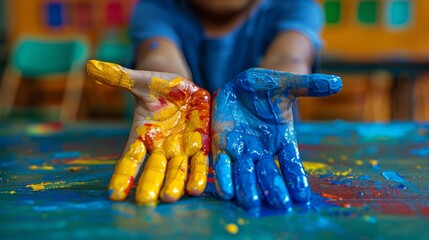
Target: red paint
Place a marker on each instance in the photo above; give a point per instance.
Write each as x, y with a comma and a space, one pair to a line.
424, 210
210, 179
130, 185
176, 94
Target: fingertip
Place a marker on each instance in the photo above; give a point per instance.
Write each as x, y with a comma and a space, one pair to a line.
146, 196
321, 85
119, 187
197, 184
300, 191
223, 176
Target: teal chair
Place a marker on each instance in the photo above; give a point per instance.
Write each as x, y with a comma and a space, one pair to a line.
43, 58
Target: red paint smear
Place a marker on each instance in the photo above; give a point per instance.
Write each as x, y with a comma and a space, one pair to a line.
176, 94
162, 103
424, 210
210, 180
396, 208
130, 185
210, 170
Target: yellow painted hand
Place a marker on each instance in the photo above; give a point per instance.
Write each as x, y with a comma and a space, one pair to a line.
171, 123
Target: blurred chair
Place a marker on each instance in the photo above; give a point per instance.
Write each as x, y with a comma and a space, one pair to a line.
115, 50
47, 58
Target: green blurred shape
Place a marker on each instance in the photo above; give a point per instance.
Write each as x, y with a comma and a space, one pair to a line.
332, 11
367, 11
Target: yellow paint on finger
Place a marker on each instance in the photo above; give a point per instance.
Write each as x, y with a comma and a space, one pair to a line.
152, 179
109, 73
126, 170
198, 176
177, 171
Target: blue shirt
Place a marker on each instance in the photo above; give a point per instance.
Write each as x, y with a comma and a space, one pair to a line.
213, 61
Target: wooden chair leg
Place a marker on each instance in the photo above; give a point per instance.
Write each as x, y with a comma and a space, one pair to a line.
72, 95
8, 90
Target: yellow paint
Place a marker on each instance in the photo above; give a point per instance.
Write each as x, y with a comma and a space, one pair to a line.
331, 160
172, 134
343, 173
82, 161
12, 192
241, 221
152, 179
315, 167
199, 171
126, 170
373, 162
49, 185
177, 171
419, 167
231, 228
44, 167
109, 73
359, 162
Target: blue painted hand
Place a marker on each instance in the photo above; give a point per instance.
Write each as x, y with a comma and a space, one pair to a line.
252, 126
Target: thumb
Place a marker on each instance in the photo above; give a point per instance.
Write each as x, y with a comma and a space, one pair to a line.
117, 76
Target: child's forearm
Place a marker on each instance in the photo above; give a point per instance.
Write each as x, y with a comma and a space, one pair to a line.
161, 55
289, 52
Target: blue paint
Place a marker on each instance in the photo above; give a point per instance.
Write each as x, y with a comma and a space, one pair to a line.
394, 176
73, 154
421, 152
377, 185
223, 176
252, 123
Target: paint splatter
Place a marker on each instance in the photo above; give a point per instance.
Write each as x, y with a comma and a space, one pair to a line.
55, 185
394, 176
231, 228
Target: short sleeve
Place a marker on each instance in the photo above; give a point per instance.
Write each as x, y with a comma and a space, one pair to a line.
154, 18
303, 16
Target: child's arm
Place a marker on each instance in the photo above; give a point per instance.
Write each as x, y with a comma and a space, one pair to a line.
161, 55
289, 52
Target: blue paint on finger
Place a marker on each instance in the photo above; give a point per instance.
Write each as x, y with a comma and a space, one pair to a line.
223, 176
272, 184
246, 189
294, 174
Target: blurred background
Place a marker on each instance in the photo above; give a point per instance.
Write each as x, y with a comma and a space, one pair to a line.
379, 47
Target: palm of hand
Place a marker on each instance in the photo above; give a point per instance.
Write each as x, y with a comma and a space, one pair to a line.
252, 126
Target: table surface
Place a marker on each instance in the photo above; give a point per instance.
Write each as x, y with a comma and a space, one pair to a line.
369, 181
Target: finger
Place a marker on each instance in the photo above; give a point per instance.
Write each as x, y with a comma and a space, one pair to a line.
151, 179
272, 184
175, 179
246, 188
198, 176
313, 85
294, 174
117, 76
223, 176
126, 170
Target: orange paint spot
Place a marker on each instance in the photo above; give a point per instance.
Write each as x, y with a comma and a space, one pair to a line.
331, 196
